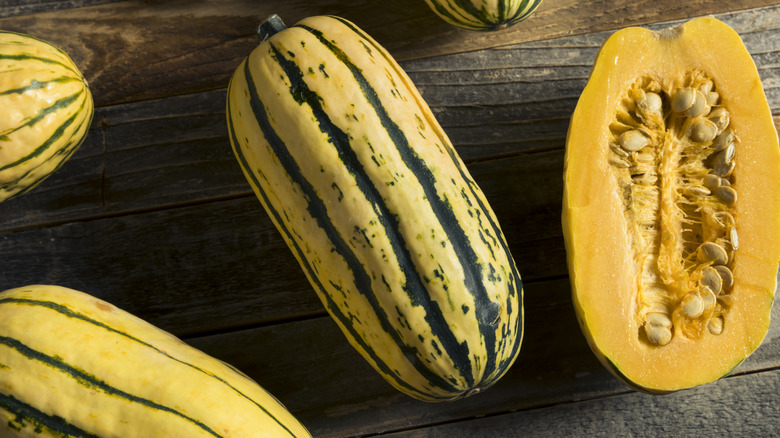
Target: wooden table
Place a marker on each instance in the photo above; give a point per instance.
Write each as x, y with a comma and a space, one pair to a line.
153, 214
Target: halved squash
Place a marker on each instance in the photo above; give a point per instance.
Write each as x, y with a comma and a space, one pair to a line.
671, 210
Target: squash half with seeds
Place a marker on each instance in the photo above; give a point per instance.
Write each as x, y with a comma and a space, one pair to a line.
47, 110
72, 365
394, 235
671, 209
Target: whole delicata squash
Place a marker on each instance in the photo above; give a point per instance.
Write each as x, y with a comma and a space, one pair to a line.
47, 111
370, 196
671, 210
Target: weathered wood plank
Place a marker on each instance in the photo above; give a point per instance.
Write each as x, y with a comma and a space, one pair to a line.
12, 8
741, 406
174, 151
134, 50
312, 369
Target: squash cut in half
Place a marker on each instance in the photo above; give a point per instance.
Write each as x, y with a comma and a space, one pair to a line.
671, 213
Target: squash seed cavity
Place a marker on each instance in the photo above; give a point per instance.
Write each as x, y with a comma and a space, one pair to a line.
673, 154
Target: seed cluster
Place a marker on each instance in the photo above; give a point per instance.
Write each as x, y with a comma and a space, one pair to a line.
673, 154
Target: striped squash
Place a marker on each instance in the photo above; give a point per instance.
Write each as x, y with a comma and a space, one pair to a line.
483, 15
47, 111
73, 365
373, 201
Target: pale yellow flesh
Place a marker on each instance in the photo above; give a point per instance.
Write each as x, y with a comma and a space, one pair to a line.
154, 366
595, 226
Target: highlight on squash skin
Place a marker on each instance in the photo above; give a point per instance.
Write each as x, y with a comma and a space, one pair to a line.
670, 215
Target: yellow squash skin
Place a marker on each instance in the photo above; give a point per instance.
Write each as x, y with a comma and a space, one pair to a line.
74, 365
602, 272
370, 196
47, 111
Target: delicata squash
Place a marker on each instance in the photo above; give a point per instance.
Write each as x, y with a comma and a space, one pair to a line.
367, 191
671, 209
72, 365
47, 109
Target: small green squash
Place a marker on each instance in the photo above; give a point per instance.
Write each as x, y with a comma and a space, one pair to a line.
370, 196
483, 15
74, 365
47, 111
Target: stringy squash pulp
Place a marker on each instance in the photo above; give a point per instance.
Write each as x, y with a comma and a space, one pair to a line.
671, 210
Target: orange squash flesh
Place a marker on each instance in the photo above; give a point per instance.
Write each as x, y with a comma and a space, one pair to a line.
602, 257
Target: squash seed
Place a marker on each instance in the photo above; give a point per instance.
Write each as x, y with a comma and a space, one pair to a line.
711, 278
652, 103
726, 194
723, 140
726, 299
704, 131
712, 252
711, 181
658, 328
633, 140
723, 169
692, 305
726, 277
734, 238
618, 150
712, 98
720, 117
715, 325
708, 299
699, 107
619, 162
683, 99
697, 191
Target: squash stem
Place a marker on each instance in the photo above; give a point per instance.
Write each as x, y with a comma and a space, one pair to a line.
271, 26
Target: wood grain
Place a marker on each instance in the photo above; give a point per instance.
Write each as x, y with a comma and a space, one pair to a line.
716, 410
137, 50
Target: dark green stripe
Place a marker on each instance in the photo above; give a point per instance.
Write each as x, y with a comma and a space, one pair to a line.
515, 285
318, 210
72, 314
58, 105
25, 57
523, 13
414, 287
37, 85
29, 416
93, 383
